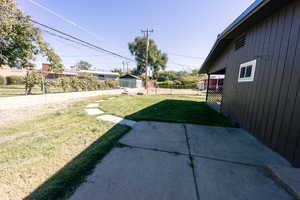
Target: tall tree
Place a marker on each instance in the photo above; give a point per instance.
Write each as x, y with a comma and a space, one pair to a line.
20, 40
156, 58
83, 65
117, 70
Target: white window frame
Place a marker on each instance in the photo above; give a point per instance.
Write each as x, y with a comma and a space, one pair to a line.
243, 65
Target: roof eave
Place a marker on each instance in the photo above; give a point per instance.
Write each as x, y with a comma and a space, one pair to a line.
250, 11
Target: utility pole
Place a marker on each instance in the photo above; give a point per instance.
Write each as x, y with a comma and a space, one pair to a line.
146, 34
123, 63
127, 64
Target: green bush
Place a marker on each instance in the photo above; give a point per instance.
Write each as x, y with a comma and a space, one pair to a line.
63, 83
82, 83
14, 80
101, 85
74, 83
2, 80
111, 84
31, 79
85, 83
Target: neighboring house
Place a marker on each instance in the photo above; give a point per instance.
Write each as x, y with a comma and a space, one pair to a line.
215, 83
131, 81
101, 74
70, 73
55, 75
259, 54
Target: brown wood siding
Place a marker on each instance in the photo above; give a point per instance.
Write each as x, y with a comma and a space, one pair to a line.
268, 107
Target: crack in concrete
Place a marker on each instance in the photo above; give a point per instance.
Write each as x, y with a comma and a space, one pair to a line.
122, 145
192, 162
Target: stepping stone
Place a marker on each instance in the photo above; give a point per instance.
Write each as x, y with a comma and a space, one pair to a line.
92, 105
99, 101
93, 111
118, 120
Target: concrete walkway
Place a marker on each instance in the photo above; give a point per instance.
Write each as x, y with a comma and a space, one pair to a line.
166, 161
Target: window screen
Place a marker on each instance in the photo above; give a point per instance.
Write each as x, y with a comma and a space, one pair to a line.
248, 71
242, 73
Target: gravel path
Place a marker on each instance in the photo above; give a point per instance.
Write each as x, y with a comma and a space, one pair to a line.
34, 100
17, 108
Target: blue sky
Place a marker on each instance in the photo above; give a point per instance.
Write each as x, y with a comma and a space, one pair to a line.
181, 27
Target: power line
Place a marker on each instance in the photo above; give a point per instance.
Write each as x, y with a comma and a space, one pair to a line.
82, 41
64, 38
183, 65
180, 55
75, 38
64, 18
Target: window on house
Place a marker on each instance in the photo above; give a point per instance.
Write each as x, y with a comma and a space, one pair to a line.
247, 71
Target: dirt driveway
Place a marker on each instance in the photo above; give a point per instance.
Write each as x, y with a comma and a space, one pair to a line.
25, 107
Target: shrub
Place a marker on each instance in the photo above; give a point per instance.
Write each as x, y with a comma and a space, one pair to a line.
111, 84
101, 85
14, 80
82, 83
92, 82
74, 83
2, 80
45, 83
63, 83
31, 79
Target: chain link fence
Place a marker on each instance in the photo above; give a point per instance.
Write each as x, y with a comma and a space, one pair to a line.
176, 89
214, 96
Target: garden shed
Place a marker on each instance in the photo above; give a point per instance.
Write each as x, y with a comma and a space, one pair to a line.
131, 81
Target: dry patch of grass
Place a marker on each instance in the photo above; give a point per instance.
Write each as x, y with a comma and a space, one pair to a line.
51, 142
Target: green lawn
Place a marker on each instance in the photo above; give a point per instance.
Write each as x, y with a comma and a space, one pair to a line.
168, 108
48, 156
63, 146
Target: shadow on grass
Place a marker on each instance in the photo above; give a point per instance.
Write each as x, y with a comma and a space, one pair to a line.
182, 111
62, 184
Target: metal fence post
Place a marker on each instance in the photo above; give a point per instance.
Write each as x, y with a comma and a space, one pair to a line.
208, 79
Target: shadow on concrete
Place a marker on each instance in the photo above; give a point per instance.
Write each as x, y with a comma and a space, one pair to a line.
62, 184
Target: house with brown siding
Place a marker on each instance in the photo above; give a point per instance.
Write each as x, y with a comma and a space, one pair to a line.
259, 54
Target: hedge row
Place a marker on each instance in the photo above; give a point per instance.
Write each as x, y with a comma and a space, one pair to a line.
2, 80
12, 80
83, 84
176, 84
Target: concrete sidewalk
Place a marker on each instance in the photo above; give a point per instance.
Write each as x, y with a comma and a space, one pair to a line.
181, 161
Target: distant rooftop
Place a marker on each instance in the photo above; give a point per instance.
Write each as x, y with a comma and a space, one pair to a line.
99, 72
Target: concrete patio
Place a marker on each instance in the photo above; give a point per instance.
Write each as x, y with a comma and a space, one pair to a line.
183, 161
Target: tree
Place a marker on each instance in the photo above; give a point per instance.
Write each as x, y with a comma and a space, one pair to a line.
20, 40
83, 65
119, 71
156, 58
